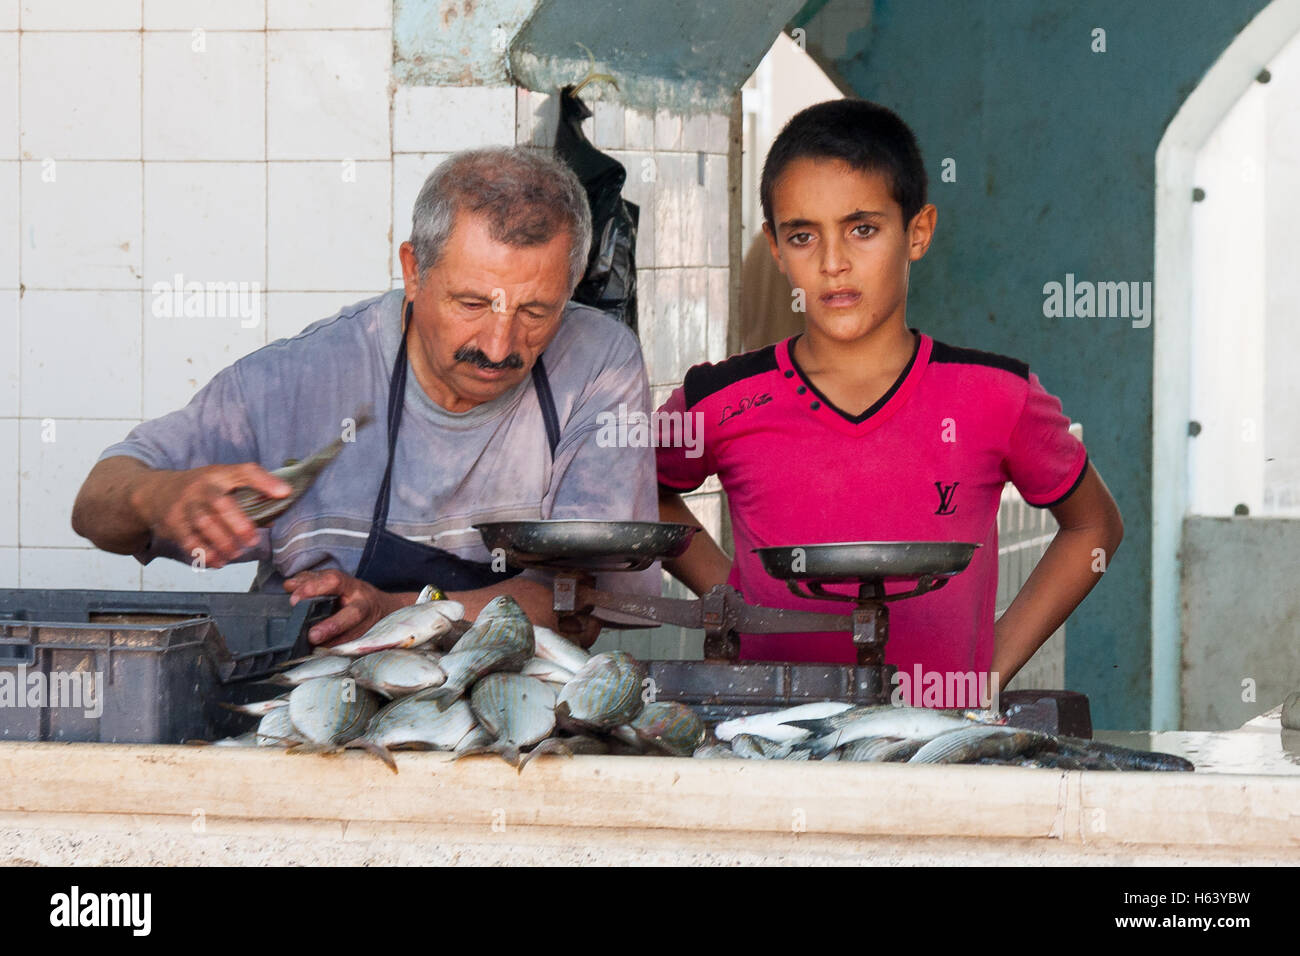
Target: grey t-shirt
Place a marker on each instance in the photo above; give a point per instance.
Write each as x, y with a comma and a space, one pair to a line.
451, 470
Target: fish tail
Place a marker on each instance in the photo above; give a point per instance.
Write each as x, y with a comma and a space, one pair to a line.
551, 745
370, 747
818, 726
820, 746
510, 753
475, 751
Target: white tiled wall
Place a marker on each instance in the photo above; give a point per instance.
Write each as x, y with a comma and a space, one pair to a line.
677, 174
257, 141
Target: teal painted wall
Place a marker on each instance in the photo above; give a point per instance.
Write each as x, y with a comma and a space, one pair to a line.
1055, 159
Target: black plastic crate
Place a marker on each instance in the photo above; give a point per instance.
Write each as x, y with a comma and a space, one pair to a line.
158, 663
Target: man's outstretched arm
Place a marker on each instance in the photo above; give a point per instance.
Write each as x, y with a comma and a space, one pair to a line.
124, 504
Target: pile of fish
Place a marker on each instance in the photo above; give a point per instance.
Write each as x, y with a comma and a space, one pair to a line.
831, 730
503, 686
421, 679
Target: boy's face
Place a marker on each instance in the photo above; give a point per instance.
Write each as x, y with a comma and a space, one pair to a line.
840, 237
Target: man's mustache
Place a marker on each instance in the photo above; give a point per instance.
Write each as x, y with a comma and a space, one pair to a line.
467, 353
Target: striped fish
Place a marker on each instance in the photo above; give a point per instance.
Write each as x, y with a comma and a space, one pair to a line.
299, 476
517, 711
276, 729
980, 740
331, 710
884, 721
606, 692
500, 640
396, 673
881, 749
411, 724
670, 727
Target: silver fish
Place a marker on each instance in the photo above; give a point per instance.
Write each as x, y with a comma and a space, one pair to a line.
884, 721
670, 727
774, 725
546, 670
396, 673
257, 708
604, 693
243, 740
411, 724
559, 650
517, 711
276, 729
759, 748
262, 510
880, 749
320, 665
979, 740
714, 751
331, 710
500, 640
408, 626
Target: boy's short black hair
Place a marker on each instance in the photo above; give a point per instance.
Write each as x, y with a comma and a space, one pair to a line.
867, 136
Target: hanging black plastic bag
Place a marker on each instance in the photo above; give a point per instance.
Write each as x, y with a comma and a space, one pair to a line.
609, 283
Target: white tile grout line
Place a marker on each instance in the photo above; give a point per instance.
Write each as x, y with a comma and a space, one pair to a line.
18, 319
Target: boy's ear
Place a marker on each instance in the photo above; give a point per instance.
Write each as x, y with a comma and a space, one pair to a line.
920, 231
771, 245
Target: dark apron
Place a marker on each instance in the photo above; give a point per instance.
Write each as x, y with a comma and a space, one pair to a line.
393, 563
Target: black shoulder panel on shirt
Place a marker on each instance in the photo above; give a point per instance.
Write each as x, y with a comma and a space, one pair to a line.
952, 355
703, 380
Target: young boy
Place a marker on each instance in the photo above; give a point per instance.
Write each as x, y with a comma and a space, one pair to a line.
861, 429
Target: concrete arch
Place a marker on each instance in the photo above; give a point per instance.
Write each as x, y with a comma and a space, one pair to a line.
1224, 83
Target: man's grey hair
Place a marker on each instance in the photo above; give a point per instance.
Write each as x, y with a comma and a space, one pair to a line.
526, 197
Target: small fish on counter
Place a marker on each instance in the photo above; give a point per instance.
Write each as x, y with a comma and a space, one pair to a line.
509, 688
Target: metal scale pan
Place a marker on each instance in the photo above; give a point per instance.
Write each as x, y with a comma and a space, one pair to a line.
587, 545
807, 569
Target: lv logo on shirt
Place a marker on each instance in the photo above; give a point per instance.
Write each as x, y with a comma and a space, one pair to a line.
946, 507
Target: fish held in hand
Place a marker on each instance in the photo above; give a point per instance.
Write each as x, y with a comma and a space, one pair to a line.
262, 509
407, 627
604, 693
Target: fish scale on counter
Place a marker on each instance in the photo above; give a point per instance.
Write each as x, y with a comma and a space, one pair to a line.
509, 688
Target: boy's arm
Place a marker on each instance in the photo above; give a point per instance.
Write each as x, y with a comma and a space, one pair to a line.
704, 565
1090, 531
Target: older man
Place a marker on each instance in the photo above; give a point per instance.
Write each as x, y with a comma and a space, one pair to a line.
474, 425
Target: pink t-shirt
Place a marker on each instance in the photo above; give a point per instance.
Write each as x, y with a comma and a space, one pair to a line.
927, 462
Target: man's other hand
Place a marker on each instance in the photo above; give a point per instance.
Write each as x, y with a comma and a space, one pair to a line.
360, 604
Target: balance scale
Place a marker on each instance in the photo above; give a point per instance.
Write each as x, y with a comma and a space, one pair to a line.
576, 550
